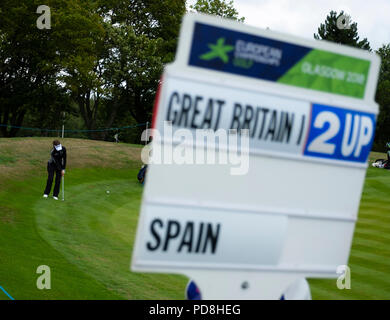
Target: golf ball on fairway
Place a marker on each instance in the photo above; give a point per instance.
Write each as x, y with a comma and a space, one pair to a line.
108, 191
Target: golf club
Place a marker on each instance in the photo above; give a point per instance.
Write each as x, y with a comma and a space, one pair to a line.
63, 188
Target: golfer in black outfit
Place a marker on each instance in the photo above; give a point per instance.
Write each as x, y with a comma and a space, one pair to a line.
56, 164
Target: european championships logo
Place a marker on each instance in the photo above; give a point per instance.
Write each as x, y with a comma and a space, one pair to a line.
218, 50
246, 53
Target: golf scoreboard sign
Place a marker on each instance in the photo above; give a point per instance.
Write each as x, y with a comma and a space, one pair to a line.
305, 116
225, 50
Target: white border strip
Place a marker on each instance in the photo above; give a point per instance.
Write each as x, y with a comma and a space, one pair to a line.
207, 205
174, 266
277, 155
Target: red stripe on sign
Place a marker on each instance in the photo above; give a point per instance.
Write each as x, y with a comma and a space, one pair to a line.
308, 128
156, 101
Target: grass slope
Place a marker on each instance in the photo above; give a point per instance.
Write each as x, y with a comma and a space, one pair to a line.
95, 231
87, 240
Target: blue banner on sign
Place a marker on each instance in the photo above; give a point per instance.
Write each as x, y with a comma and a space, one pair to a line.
243, 54
341, 134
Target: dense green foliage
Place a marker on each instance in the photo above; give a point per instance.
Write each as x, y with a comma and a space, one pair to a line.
220, 8
382, 134
100, 62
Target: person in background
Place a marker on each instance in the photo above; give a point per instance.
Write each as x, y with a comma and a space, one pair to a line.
56, 164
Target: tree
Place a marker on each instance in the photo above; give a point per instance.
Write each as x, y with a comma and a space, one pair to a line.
221, 8
142, 37
337, 30
382, 134
83, 37
36, 64
150, 18
131, 73
27, 64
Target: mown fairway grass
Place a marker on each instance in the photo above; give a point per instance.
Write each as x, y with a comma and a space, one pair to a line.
87, 240
370, 254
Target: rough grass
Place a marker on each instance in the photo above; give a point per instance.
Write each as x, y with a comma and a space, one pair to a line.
28, 153
28, 156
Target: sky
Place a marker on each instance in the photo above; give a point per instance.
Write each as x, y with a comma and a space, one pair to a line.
303, 17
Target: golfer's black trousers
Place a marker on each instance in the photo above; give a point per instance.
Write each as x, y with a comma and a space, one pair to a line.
51, 170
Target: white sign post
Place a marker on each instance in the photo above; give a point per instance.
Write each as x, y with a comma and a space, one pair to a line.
247, 230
